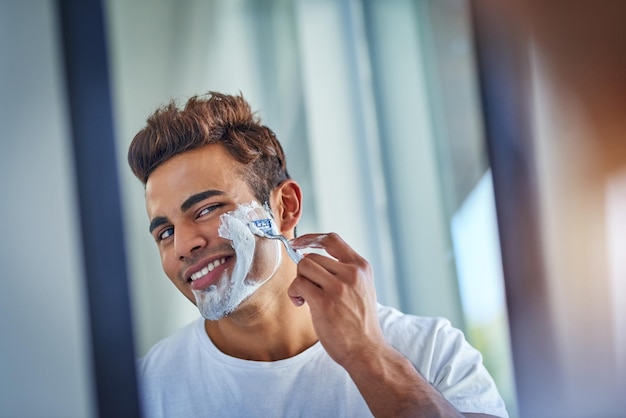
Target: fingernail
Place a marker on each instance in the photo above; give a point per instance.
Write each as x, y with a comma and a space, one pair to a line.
297, 300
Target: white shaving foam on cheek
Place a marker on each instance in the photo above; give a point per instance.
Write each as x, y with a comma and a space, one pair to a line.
223, 298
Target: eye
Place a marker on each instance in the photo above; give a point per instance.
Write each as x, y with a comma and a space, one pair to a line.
207, 210
166, 233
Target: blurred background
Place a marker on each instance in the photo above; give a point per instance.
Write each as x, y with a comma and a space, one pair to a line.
473, 152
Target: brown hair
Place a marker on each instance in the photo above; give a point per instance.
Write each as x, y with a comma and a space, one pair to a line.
214, 118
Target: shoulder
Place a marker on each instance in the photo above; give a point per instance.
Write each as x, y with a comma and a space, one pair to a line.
444, 358
431, 343
399, 327
171, 370
167, 352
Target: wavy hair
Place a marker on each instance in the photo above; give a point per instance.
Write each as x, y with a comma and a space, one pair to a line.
213, 118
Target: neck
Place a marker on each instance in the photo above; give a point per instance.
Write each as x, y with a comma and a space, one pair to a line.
266, 327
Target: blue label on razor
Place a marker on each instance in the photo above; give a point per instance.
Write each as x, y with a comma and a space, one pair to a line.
263, 223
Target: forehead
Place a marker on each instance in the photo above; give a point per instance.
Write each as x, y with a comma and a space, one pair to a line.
210, 167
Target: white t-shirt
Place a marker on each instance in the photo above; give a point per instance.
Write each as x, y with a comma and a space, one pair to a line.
185, 375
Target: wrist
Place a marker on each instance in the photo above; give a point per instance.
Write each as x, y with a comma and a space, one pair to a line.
370, 360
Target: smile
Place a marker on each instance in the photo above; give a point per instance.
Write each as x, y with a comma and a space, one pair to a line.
209, 268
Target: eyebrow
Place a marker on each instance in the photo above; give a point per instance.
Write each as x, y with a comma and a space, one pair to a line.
156, 222
199, 197
186, 205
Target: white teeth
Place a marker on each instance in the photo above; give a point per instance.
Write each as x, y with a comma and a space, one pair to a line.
207, 269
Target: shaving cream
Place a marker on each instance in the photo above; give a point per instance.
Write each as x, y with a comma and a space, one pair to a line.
256, 261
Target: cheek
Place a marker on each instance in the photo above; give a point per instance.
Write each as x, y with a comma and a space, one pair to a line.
266, 258
170, 266
186, 291
166, 260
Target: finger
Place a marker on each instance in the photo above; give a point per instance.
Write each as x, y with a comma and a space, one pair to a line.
308, 241
326, 272
297, 300
302, 289
329, 273
332, 243
295, 297
318, 269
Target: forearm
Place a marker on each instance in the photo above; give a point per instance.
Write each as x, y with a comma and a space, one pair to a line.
393, 388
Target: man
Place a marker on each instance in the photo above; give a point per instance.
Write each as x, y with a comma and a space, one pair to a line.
277, 338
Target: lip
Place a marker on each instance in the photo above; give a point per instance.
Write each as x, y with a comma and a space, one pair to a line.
212, 277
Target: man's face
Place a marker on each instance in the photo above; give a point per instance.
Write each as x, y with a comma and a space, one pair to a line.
198, 205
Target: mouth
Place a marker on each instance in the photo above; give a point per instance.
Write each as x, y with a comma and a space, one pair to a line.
208, 274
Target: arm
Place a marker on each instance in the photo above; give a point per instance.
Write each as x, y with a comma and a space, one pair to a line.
392, 387
342, 300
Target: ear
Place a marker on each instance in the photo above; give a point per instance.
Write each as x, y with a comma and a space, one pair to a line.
287, 206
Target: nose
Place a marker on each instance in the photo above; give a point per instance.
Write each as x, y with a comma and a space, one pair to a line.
187, 240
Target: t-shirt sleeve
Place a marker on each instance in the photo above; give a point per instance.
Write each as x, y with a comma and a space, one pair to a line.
457, 371
446, 360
